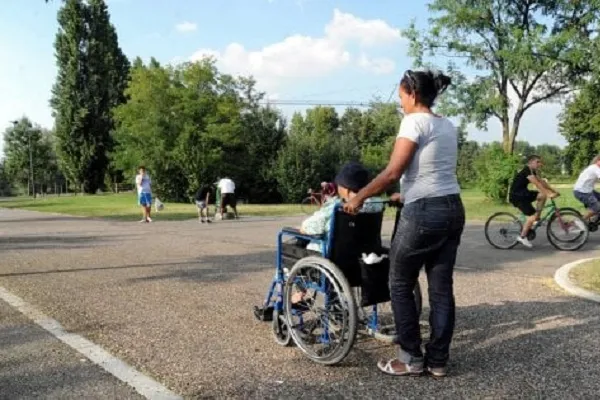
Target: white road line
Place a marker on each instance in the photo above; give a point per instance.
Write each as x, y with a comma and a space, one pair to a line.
143, 384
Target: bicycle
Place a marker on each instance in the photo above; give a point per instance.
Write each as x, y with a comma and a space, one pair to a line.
576, 231
313, 202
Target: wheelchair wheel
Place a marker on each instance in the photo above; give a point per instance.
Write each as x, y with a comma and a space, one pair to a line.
323, 323
281, 332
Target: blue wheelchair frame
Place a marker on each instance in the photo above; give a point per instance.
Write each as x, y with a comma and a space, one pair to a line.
326, 242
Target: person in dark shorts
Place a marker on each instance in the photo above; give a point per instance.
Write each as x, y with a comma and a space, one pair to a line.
202, 199
227, 188
522, 197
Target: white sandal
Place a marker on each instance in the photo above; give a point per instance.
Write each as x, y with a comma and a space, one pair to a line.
386, 368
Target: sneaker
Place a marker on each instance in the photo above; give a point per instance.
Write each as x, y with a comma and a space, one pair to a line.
149, 219
524, 241
143, 220
208, 221
438, 372
202, 221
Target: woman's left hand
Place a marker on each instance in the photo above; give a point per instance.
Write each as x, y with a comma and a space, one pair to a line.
353, 205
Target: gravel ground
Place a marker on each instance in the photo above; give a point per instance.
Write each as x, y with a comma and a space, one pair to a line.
34, 364
175, 300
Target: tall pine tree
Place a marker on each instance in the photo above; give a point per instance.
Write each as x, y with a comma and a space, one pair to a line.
92, 73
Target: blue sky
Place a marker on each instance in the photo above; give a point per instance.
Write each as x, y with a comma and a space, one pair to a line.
329, 50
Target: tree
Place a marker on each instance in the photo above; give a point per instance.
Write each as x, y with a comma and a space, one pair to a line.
263, 136
495, 171
468, 152
538, 50
28, 154
315, 149
580, 126
92, 72
5, 183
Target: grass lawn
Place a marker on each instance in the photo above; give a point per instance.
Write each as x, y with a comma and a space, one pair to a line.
587, 275
123, 206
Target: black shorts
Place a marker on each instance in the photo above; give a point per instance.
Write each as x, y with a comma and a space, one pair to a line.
523, 202
228, 199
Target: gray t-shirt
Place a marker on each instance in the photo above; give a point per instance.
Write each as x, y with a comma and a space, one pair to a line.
432, 171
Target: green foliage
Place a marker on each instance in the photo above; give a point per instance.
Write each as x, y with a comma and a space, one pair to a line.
320, 142
5, 183
538, 50
23, 143
191, 124
315, 149
92, 73
580, 126
495, 170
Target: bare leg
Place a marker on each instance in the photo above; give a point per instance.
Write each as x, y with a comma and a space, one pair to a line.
541, 201
528, 224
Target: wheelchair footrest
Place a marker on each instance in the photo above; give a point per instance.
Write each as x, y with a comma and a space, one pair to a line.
264, 314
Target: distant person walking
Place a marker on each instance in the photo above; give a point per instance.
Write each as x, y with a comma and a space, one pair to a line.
227, 189
144, 190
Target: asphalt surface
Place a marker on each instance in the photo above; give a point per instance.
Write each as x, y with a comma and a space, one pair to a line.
174, 299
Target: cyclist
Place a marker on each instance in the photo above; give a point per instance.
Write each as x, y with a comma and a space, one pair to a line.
584, 190
328, 190
521, 197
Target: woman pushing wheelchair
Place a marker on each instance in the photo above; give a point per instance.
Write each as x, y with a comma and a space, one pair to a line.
430, 227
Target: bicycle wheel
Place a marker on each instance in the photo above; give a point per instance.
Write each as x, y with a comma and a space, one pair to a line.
309, 205
567, 231
502, 230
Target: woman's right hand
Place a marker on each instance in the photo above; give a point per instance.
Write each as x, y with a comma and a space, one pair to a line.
396, 198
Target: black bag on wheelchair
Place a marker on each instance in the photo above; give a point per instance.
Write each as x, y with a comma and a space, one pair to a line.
356, 235
353, 235
375, 281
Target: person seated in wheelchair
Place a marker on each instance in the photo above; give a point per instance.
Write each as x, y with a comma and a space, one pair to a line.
351, 178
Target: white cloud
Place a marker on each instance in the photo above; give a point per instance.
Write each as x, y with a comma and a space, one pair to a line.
299, 56
378, 65
344, 27
186, 27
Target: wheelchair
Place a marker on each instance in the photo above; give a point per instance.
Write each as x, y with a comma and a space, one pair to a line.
337, 294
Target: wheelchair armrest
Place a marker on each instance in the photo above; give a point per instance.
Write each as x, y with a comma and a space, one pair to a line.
296, 232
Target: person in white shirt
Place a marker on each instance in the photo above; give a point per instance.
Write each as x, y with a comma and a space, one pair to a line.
144, 190
227, 188
584, 189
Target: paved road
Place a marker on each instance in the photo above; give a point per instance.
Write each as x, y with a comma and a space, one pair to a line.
174, 300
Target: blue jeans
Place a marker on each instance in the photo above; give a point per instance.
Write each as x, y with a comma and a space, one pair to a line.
590, 200
428, 234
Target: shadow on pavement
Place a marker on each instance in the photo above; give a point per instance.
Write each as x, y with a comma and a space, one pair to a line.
509, 350
37, 242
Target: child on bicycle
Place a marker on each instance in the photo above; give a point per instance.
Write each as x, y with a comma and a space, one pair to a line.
521, 197
584, 189
328, 190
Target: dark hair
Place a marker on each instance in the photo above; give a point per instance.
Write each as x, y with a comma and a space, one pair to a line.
532, 158
353, 176
426, 85
141, 167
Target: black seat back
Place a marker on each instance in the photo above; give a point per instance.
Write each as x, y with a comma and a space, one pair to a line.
352, 236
